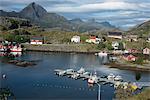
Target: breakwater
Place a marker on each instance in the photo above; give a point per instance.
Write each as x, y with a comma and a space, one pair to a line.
78, 48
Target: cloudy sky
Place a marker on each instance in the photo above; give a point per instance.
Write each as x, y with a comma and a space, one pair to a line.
122, 13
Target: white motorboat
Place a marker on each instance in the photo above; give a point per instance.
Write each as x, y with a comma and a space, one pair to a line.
118, 78
111, 77
90, 81
2, 49
102, 54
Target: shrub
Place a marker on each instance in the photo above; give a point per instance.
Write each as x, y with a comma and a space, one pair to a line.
139, 61
109, 46
101, 46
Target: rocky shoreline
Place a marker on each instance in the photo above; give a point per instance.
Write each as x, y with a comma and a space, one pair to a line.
81, 48
127, 67
70, 48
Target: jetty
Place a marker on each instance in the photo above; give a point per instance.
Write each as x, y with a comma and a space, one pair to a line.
94, 79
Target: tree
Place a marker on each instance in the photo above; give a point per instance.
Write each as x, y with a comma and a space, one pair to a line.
21, 39
101, 46
14, 24
83, 38
121, 46
139, 61
103, 39
109, 46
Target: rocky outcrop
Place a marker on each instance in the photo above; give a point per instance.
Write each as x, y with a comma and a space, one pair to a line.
14, 22
22, 63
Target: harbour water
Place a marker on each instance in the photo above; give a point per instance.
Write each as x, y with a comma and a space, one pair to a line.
40, 83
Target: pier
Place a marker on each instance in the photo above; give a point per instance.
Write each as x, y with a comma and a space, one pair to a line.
116, 81
82, 74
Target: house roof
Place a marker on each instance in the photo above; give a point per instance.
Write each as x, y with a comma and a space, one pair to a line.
133, 36
146, 48
127, 55
37, 38
92, 37
76, 36
114, 42
115, 33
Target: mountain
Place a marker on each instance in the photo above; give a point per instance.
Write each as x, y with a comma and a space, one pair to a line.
76, 21
39, 16
9, 14
33, 11
91, 25
107, 24
140, 29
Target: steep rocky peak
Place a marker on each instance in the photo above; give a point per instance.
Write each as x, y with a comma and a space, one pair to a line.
33, 10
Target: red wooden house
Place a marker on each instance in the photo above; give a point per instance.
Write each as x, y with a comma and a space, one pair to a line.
129, 57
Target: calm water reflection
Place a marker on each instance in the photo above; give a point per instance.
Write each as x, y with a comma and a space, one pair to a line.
40, 83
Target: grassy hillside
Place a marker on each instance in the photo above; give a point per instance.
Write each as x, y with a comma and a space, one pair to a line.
142, 29
145, 95
9, 23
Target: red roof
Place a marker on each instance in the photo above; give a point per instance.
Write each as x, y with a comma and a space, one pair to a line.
93, 37
130, 57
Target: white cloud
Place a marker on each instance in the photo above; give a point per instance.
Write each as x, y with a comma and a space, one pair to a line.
19, 1
121, 12
108, 5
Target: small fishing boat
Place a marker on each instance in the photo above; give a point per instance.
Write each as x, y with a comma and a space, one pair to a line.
118, 78
111, 77
3, 76
101, 54
90, 81
16, 49
3, 48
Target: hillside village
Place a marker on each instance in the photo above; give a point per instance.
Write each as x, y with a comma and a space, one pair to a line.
113, 42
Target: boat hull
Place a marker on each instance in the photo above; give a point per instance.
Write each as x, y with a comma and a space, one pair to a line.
16, 50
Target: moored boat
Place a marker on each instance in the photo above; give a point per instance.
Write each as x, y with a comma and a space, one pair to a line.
16, 49
3, 48
102, 54
118, 78
111, 77
90, 81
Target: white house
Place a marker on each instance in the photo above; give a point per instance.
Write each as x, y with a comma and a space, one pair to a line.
93, 39
75, 39
148, 40
36, 40
115, 45
146, 51
132, 38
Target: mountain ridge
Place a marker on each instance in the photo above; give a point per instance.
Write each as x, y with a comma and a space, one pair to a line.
141, 29
39, 16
